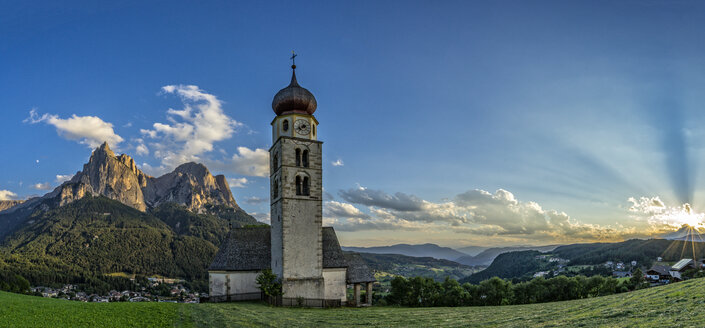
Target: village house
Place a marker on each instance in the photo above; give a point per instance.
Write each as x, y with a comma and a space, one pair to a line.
666, 274
680, 267
621, 274
659, 274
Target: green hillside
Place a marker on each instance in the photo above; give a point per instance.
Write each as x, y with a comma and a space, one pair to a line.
642, 251
678, 304
409, 266
95, 236
523, 264
509, 265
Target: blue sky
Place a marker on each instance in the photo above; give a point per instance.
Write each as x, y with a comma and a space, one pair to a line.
457, 122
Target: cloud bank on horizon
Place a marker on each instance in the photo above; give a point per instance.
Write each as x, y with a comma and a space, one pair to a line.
479, 214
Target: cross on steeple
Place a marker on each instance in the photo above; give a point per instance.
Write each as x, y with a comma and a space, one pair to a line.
293, 59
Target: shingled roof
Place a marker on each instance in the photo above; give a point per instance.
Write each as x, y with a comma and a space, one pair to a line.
250, 249
245, 249
358, 271
660, 269
332, 254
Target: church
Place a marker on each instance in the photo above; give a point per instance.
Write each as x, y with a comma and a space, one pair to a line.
297, 248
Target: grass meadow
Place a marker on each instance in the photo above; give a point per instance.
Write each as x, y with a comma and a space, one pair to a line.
676, 305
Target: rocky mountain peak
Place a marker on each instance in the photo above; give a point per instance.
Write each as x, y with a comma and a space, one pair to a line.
119, 178
196, 169
102, 152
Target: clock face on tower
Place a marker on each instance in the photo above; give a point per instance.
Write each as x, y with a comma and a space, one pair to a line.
302, 127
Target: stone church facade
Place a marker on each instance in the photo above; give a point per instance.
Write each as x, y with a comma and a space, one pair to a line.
305, 255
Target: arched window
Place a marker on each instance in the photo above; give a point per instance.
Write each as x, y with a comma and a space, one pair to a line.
275, 189
298, 157
313, 128
275, 161
298, 185
285, 125
305, 188
304, 158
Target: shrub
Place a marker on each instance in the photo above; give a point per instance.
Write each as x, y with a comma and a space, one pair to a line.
269, 283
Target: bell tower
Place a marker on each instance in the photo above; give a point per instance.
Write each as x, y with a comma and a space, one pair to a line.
296, 193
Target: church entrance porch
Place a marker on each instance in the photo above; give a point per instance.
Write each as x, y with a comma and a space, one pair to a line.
357, 296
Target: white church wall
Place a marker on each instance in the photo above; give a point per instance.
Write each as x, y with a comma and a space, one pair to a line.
243, 282
224, 283
335, 286
311, 288
216, 283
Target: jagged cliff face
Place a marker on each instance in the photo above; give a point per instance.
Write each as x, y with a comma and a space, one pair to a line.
6, 204
118, 178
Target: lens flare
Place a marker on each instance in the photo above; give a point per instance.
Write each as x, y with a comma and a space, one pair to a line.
659, 213
684, 215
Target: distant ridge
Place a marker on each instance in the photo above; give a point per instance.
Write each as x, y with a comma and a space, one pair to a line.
686, 232
422, 250
487, 256
471, 250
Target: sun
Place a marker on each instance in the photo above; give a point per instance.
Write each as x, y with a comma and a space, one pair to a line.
684, 216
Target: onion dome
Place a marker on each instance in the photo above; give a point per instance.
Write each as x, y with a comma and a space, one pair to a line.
294, 98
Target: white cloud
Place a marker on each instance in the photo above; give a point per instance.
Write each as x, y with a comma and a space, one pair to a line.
141, 148
249, 162
370, 197
149, 133
347, 217
41, 186
237, 183
262, 217
475, 212
7, 195
193, 130
338, 162
154, 170
88, 130
335, 209
61, 178
255, 200
656, 212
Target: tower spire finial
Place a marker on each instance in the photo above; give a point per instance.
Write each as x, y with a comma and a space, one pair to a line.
293, 59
